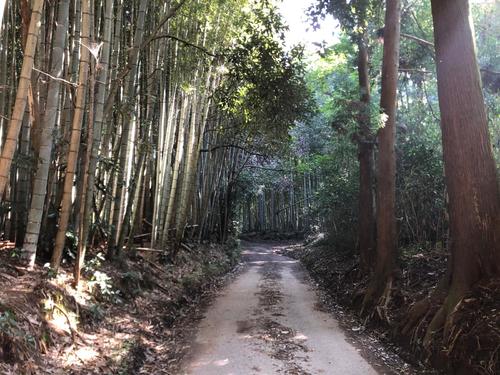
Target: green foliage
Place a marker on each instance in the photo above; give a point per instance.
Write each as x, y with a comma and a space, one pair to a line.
50, 272
324, 144
420, 178
493, 106
264, 91
192, 281
487, 26
99, 282
102, 284
420, 185
71, 244
416, 21
16, 253
337, 193
96, 312
94, 263
354, 16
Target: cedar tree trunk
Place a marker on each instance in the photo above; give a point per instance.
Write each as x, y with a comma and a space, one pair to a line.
386, 161
470, 173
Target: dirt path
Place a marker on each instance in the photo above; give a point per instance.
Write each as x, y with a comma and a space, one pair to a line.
266, 322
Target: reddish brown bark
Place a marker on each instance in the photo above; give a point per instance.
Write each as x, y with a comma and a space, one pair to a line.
471, 178
386, 160
366, 214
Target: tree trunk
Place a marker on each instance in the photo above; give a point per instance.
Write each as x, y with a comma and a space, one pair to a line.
82, 213
46, 137
129, 102
2, 9
366, 215
166, 178
199, 118
76, 128
470, 172
103, 64
179, 154
22, 185
10, 144
386, 161
133, 199
190, 170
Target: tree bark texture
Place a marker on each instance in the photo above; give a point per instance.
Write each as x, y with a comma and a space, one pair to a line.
386, 159
46, 137
76, 128
470, 172
366, 216
15, 122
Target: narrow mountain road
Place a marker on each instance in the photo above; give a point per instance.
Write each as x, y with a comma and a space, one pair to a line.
266, 322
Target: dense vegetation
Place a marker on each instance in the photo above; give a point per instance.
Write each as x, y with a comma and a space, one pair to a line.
330, 183
147, 125
137, 127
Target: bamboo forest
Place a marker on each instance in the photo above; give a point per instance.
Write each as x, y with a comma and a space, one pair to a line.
245, 187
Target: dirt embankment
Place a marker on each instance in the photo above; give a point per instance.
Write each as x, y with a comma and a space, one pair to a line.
133, 317
474, 346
